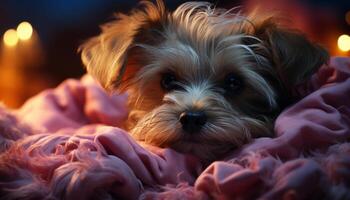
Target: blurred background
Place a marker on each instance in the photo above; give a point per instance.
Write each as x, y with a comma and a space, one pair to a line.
39, 38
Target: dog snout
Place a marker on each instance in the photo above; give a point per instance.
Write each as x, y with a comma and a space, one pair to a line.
193, 121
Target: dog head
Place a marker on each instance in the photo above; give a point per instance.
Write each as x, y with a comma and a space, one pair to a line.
200, 79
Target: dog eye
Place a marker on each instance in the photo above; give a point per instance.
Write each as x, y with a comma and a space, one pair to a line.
169, 82
232, 84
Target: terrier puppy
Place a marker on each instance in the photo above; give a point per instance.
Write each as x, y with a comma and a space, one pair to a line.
200, 79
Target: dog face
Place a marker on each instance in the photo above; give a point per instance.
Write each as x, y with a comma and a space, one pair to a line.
199, 79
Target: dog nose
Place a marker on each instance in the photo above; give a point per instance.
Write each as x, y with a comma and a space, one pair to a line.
192, 121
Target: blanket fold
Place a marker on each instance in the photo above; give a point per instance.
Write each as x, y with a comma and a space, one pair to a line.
69, 143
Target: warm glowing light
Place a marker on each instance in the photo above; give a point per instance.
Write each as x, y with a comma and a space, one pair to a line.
344, 42
24, 31
10, 37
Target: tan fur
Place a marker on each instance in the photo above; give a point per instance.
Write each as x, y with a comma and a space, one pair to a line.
201, 45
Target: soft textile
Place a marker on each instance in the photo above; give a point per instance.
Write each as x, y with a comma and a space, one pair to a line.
68, 143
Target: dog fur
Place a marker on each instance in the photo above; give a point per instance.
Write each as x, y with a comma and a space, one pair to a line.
199, 46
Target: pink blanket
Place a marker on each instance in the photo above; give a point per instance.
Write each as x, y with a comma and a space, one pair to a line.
65, 144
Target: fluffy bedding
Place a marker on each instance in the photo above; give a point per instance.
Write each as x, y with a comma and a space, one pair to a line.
68, 143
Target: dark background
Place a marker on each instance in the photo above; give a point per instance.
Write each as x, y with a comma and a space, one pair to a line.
62, 25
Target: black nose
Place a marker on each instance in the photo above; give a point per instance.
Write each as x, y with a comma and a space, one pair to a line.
192, 121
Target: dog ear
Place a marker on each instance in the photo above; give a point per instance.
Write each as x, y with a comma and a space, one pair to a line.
110, 55
294, 57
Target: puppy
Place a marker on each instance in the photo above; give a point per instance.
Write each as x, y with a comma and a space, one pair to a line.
201, 80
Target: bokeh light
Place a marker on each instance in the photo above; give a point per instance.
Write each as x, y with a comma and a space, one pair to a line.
24, 31
344, 42
57, 28
10, 37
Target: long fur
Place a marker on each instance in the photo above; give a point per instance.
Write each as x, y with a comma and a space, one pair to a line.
201, 44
